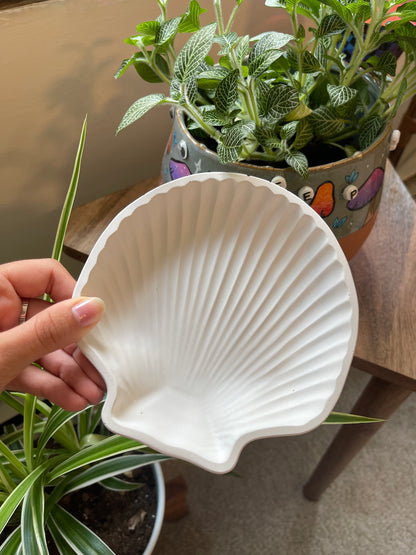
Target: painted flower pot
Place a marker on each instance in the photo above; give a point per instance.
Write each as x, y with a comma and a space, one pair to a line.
345, 193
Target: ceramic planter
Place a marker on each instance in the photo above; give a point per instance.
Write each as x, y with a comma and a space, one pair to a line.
346, 193
161, 499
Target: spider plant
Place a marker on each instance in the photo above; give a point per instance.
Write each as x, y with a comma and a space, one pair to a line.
55, 452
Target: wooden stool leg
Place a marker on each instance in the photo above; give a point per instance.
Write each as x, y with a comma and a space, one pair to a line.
380, 399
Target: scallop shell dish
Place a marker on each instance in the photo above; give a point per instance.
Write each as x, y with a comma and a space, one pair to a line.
231, 315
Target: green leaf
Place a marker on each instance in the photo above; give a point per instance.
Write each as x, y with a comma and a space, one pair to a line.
326, 122
267, 137
387, 63
190, 20
227, 92
280, 101
63, 547
33, 525
191, 91
192, 55
79, 537
227, 154
287, 131
242, 49
310, 64
123, 67
146, 72
263, 62
339, 8
227, 42
139, 108
301, 111
330, 25
111, 446
58, 418
304, 134
15, 463
13, 501
110, 468
400, 95
271, 40
117, 484
12, 543
342, 418
369, 131
340, 94
209, 79
299, 162
148, 28
70, 197
213, 117
167, 31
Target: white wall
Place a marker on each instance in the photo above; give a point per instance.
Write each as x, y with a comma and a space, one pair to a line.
56, 65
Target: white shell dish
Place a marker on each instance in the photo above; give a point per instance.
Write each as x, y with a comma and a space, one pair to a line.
231, 315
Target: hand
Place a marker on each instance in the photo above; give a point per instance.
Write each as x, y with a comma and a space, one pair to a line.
48, 336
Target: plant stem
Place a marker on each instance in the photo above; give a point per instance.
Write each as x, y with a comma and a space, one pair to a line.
195, 115
231, 18
219, 17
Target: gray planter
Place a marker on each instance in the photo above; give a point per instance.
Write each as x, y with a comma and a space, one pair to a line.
346, 193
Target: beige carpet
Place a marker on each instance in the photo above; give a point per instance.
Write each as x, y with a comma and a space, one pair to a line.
370, 509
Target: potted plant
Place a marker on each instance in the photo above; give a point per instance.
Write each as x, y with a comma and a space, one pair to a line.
309, 109
53, 454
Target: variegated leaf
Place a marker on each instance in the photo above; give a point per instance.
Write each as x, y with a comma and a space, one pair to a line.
369, 132
299, 162
326, 122
242, 49
330, 25
281, 100
340, 94
304, 134
227, 92
139, 108
193, 53
262, 62
226, 154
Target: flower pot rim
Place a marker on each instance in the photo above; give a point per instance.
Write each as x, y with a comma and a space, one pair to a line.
313, 169
160, 511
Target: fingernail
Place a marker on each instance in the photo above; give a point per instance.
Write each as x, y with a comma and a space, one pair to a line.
88, 311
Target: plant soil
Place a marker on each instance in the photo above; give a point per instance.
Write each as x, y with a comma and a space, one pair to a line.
123, 520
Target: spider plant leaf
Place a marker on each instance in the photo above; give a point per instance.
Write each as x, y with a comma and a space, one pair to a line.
16, 496
80, 538
108, 447
63, 547
32, 521
343, 418
110, 468
13, 543
70, 196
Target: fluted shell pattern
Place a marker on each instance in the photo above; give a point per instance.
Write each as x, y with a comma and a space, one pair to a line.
231, 315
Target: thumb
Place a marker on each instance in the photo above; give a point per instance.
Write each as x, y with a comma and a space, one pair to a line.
51, 329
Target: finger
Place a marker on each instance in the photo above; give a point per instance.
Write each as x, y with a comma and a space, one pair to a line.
30, 278
87, 367
65, 367
38, 382
52, 329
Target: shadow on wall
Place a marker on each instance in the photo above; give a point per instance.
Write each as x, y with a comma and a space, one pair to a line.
71, 51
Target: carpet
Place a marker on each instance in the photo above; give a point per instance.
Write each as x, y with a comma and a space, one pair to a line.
368, 510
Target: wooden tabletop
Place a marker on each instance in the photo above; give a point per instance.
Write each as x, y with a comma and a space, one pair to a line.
384, 272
